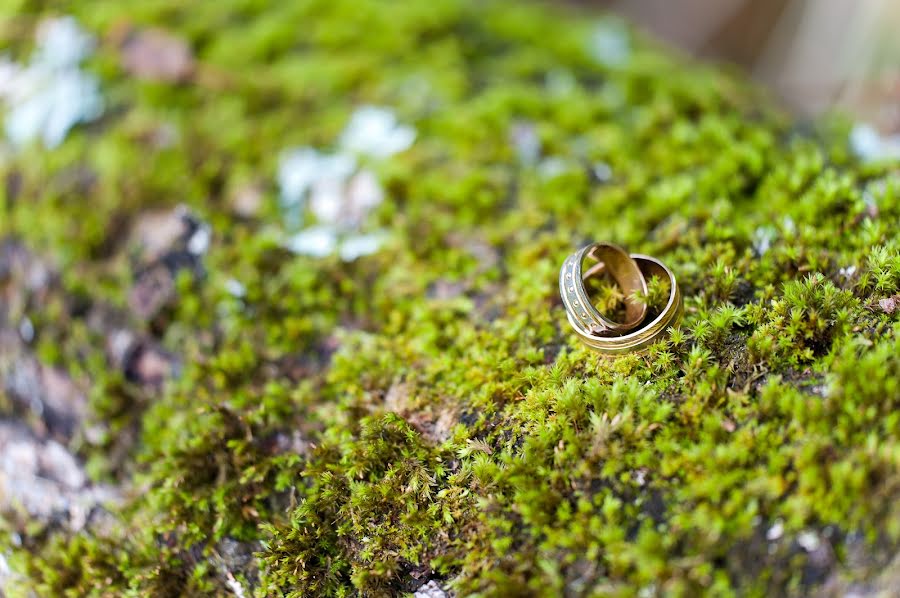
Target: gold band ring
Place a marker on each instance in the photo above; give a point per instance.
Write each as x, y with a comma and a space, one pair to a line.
646, 334
627, 275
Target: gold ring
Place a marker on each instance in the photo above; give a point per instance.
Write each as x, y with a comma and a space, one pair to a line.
648, 333
624, 271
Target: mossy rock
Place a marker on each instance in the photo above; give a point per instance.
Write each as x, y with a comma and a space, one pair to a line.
425, 413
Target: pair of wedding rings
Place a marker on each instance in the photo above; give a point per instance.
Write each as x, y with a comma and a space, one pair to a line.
641, 327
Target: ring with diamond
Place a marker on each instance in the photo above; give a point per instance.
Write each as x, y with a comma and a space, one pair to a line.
614, 260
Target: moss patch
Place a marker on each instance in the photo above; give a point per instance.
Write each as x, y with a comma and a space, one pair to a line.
424, 412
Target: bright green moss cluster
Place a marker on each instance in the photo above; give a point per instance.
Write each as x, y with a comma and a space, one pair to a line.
425, 413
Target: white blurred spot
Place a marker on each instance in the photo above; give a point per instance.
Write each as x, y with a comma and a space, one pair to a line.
363, 194
235, 288
526, 142
50, 95
762, 239
640, 477
869, 145
26, 329
808, 541
234, 585
357, 246
648, 591
552, 167
432, 589
338, 194
301, 169
609, 43
9, 77
315, 241
198, 244
789, 226
375, 132
776, 531
62, 43
559, 82
602, 171
327, 199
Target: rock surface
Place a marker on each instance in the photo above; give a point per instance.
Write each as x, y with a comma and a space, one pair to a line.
294, 300
44, 482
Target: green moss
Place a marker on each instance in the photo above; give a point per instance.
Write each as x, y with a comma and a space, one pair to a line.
358, 431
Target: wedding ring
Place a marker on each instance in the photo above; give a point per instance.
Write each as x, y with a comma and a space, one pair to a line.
649, 332
614, 260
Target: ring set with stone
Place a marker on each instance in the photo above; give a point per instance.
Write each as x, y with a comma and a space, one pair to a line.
630, 272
